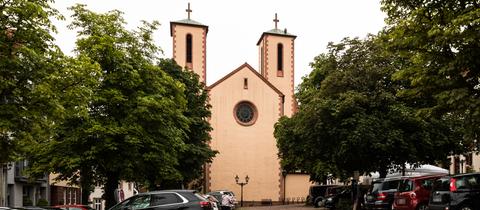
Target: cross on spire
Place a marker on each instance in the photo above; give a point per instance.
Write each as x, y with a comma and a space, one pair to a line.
189, 10
276, 20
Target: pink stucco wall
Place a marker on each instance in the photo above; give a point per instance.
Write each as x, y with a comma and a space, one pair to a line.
245, 150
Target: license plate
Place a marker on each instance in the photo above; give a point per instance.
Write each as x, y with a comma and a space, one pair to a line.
401, 201
370, 197
437, 199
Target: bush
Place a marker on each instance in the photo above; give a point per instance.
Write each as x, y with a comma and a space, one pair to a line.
27, 201
42, 202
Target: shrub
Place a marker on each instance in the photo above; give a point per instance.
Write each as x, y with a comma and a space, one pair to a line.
42, 202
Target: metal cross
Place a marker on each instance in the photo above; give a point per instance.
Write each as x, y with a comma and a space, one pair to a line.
276, 20
189, 10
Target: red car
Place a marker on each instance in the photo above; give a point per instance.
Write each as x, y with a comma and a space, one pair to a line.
414, 192
74, 207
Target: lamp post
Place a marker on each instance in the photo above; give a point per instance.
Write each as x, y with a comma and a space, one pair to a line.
241, 187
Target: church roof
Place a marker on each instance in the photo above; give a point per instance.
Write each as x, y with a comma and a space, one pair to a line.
188, 22
277, 32
251, 69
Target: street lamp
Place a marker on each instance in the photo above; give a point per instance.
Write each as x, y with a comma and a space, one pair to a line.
241, 187
284, 176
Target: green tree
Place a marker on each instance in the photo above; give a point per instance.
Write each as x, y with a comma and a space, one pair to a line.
442, 43
131, 125
27, 58
137, 122
196, 152
350, 118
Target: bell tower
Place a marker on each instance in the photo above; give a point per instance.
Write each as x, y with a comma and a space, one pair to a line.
190, 45
276, 59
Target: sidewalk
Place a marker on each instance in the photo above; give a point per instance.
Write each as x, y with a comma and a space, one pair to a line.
280, 207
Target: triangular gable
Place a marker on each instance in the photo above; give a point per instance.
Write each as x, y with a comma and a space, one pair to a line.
251, 69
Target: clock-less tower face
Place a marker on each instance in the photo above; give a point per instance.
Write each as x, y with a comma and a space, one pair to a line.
189, 45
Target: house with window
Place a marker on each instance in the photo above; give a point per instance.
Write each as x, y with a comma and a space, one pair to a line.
23, 191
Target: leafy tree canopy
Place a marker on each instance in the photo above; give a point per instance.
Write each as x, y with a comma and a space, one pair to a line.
441, 41
131, 124
28, 57
196, 152
350, 117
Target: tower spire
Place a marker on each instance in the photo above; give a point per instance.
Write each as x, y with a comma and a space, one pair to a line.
188, 10
276, 20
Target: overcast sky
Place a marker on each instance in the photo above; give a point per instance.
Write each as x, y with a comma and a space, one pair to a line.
236, 25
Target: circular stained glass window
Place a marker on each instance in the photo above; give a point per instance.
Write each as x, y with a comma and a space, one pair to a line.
245, 113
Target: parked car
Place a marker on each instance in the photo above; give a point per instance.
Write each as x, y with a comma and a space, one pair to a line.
381, 193
414, 192
218, 195
458, 192
216, 204
74, 207
346, 196
338, 193
165, 199
317, 194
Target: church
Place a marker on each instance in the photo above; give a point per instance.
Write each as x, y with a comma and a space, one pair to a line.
246, 104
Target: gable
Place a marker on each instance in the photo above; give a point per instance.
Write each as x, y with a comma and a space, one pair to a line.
245, 70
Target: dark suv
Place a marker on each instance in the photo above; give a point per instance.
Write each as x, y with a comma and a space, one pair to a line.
317, 194
381, 193
166, 199
458, 192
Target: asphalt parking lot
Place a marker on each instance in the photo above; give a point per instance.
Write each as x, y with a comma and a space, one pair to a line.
281, 207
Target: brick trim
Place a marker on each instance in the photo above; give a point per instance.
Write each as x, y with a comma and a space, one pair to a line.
204, 57
174, 30
292, 80
266, 57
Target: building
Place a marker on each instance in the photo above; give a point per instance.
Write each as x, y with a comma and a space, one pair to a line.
465, 163
246, 103
63, 193
21, 190
125, 190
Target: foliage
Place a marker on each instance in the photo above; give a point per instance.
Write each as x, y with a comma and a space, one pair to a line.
196, 152
350, 117
27, 55
128, 123
42, 202
441, 41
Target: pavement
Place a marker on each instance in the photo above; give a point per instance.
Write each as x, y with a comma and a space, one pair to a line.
281, 207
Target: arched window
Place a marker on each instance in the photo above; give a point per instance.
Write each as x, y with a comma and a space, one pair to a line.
280, 57
189, 48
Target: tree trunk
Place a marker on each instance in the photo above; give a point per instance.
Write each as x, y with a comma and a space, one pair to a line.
86, 183
383, 172
110, 186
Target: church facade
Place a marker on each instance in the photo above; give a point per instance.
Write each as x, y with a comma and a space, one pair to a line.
246, 104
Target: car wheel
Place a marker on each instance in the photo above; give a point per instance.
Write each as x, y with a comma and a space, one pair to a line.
466, 208
319, 202
422, 207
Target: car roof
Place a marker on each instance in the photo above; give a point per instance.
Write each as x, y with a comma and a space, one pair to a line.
425, 176
467, 174
163, 191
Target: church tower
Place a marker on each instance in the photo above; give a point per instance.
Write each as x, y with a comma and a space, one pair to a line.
276, 59
190, 45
